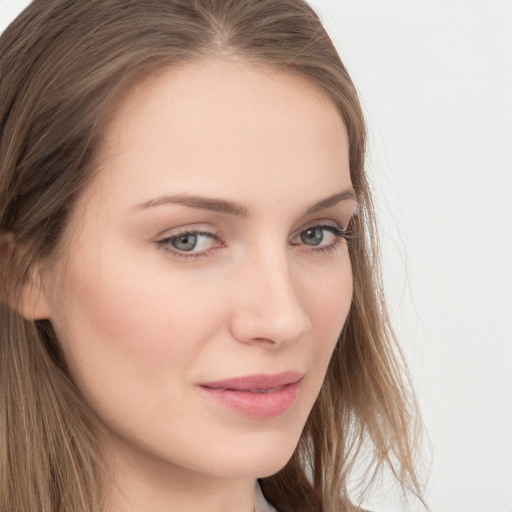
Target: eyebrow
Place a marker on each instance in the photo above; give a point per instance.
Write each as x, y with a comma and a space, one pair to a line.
193, 201
332, 200
233, 207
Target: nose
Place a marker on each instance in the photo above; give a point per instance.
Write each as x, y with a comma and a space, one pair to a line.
269, 304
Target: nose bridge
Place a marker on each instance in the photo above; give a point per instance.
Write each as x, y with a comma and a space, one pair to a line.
269, 305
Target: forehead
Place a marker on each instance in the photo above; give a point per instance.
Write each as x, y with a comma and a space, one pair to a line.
224, 119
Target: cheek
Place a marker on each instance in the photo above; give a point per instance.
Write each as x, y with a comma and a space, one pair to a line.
124, 330
329, 306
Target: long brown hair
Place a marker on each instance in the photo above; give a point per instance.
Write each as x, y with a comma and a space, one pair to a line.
63, 66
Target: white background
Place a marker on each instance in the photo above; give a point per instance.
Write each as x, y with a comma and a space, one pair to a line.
435, 79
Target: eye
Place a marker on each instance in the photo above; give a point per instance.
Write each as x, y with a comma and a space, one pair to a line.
190, 243
322, 237
313, 236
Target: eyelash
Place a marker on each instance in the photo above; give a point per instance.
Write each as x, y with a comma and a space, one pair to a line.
341, 235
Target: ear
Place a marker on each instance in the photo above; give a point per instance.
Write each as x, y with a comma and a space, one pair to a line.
22, 289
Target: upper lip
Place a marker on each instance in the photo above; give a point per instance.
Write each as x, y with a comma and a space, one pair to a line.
262, 381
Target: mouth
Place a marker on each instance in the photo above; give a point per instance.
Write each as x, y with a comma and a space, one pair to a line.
259, 396
271, 390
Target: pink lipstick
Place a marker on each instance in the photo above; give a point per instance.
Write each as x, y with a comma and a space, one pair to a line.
260, 396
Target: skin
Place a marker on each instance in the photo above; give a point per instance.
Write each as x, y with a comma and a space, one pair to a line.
141, 326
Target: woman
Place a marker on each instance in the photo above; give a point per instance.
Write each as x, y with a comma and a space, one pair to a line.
191, 309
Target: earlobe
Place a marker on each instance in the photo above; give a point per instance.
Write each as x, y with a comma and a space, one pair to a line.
21, 290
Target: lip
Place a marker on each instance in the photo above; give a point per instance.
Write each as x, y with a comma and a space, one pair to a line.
259, 396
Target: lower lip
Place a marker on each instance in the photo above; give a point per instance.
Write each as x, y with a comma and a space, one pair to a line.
259, 405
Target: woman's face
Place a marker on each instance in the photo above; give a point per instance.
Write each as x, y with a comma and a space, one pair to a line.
208, 248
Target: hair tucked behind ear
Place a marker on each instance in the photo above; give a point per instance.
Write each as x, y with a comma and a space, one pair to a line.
63, 66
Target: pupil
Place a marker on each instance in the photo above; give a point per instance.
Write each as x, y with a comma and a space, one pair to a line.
185, 243
313, 236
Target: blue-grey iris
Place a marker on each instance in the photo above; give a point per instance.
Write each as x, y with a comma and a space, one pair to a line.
312, 236
185, 242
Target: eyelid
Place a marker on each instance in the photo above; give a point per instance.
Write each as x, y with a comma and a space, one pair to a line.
320, 223
335, 229
201, 228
